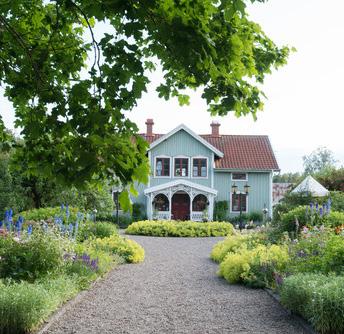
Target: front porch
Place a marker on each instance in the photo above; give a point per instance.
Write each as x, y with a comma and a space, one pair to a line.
180, 200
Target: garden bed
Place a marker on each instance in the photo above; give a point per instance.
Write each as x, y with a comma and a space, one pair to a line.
45, 263
300, 257
164, 228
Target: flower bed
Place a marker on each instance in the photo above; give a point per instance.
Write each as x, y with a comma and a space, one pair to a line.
301, 257
180, 228
43, 265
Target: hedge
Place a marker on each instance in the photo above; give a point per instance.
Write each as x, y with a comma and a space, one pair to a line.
180, 229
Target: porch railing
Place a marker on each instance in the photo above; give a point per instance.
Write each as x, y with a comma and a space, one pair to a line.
197, 216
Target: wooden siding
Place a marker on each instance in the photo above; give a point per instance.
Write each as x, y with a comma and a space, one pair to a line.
181, 144
260, 193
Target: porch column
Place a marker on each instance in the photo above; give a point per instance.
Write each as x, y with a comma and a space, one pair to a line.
170, 203
191, 199
150, 206
211, 207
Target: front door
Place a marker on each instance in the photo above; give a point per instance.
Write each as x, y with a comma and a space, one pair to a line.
181, 206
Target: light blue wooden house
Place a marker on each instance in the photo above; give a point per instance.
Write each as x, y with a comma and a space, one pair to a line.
189, 172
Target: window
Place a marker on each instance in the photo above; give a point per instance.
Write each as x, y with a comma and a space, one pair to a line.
181, 167
199, 203
161, 203
162, 167
199, 167
239, 176
236, 199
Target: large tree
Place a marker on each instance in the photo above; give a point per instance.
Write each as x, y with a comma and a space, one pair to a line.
318, 161
70, 89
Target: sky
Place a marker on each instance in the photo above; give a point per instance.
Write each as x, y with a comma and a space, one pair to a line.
304, 109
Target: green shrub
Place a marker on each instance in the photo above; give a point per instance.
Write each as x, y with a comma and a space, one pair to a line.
337, 198
318, 298
106, 260
230, 244
333, 257
138, 212
297, 291
233, 242
319, 251
128, 249
180, 228
23, 306
255, 267
236, 219
288, 220
255, 216
30, 258
304, 216
220, 210
123, 220
334, 219
48, 214
96, 230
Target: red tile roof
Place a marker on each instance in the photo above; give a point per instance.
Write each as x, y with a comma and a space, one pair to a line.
240, 152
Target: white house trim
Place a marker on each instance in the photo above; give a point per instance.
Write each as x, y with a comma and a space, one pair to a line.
199, 177
212, 169
170, 188
174, 183
150, 160
191, 133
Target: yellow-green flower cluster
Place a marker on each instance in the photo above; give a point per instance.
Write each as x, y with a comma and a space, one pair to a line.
180, 228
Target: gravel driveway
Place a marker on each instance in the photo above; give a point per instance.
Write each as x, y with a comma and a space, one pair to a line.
175, 290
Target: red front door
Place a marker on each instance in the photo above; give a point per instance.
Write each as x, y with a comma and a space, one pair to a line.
180, 207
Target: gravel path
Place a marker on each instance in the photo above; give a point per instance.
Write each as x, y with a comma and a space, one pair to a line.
175, 290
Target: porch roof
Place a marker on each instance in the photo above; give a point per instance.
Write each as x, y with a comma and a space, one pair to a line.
180, 182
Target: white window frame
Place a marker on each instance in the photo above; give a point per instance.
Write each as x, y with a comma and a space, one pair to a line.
174, 167
231, 202
164, 157
246, 179
200, 177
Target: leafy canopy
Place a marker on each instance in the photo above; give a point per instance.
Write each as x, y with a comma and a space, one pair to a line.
70, 90
318, 161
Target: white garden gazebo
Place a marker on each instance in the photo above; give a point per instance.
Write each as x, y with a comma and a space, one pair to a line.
311, 186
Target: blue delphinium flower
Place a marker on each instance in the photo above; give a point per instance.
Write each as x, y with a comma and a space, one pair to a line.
19, 224
321, 211
329, 202
76, 227
29, 230
70, 230
316, 207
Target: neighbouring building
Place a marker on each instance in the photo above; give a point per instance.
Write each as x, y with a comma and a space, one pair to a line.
279, 190
189, 172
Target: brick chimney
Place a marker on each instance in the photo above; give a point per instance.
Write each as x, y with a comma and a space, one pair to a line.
215, 128
149, 124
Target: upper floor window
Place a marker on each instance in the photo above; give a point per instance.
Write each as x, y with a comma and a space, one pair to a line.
181, 167
239, 176
199, 167
162, 166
